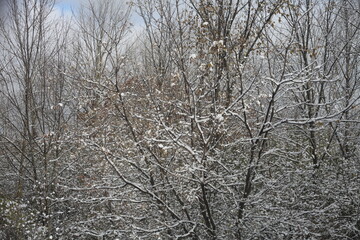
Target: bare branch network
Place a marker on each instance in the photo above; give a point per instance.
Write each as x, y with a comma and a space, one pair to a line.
180, 119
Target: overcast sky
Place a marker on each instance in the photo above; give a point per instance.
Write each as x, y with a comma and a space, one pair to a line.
2, 6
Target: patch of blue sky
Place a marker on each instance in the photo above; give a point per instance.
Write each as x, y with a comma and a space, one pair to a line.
66, 7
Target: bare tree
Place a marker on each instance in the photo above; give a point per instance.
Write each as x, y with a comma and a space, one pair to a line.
32, 93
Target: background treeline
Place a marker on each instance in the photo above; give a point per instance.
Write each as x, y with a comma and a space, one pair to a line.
206, 119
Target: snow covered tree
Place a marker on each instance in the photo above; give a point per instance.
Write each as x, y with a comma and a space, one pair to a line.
233, 119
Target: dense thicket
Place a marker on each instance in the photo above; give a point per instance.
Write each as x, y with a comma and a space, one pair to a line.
206, 119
